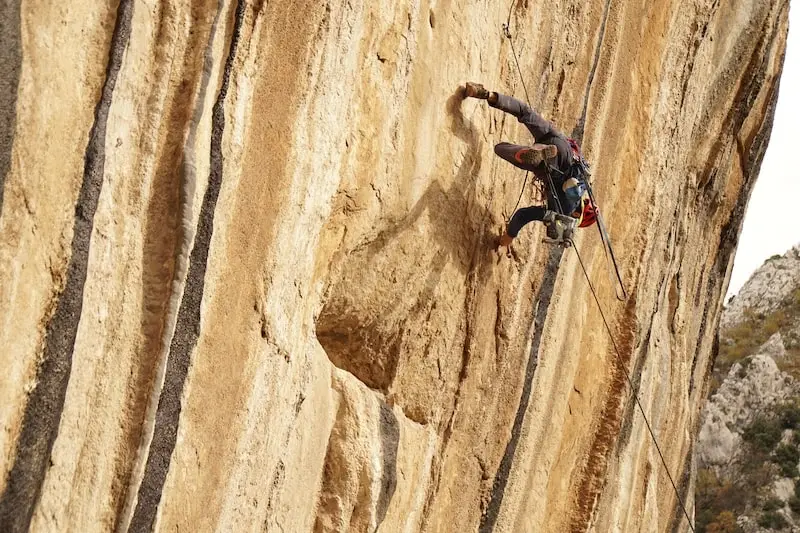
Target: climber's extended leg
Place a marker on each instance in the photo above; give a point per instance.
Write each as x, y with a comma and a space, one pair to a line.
540, 128
523, 216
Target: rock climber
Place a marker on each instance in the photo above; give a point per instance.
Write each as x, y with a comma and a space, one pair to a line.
553, 156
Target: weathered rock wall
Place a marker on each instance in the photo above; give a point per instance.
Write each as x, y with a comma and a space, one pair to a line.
246, 270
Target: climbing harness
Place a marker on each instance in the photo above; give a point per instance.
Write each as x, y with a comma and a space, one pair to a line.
560, 229
567, 241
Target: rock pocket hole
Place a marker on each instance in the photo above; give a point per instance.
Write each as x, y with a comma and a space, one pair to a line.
358, 342
367, 321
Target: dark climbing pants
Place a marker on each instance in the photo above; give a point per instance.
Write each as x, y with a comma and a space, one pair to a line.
543, 132
522, 216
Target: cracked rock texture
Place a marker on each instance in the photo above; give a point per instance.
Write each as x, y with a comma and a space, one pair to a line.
750, 389
247, 277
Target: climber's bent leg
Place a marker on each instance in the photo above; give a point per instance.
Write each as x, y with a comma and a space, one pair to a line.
525, 157
509, 152
523, 216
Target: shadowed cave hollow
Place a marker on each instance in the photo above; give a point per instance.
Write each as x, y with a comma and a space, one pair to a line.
359, 326
390, 305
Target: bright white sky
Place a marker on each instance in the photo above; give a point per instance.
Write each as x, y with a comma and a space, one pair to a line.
772, 221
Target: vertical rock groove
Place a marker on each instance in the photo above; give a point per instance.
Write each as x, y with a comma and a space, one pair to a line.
187, 327
168, 234
10, 63
489, 518
390, 442
577, 133
46, 401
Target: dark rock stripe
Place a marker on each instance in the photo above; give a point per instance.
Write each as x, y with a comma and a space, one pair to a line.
10, 64
188, 323
46, 401
390, 442
751, 165
489, 518
167, 234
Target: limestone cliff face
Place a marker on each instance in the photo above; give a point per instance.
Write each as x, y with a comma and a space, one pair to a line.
246, 270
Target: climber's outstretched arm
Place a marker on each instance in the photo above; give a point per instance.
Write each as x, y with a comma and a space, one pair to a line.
539, 127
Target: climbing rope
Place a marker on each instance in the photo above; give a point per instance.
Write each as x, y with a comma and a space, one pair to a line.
604, 237
633, 389
521, 192
507, 34
550, 184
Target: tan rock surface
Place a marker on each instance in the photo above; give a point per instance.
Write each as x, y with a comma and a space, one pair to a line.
247, 277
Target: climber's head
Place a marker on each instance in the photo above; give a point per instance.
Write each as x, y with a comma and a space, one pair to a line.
589, 216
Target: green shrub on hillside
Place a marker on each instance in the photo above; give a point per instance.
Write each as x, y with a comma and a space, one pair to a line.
794, 505
789, 415
763, 434
772, 520
772, 504
787, 457
719, 501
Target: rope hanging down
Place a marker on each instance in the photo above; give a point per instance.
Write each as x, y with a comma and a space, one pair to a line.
633, 389
605, 238
507, 34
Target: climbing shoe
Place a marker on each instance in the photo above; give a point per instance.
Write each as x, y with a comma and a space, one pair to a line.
538, 153
505, 239
475, 90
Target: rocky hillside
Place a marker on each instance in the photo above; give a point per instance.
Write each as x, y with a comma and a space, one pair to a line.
769, 286
764, 315
748, 449
247, 275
